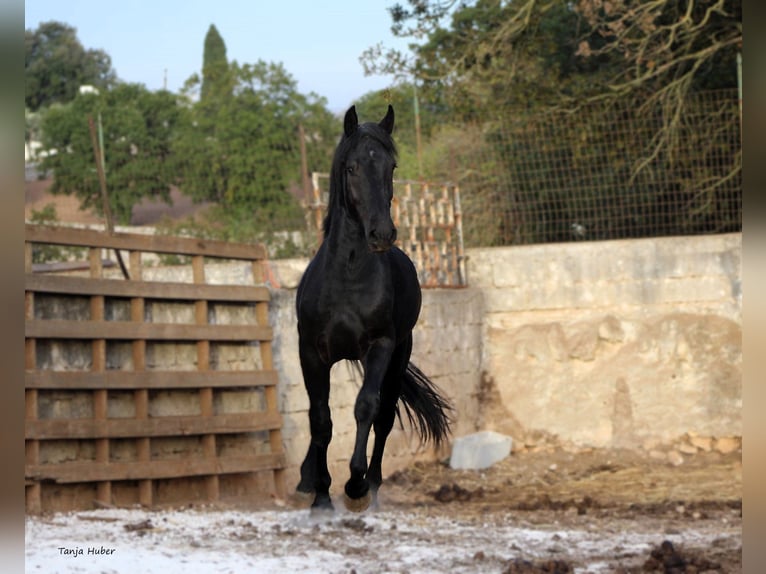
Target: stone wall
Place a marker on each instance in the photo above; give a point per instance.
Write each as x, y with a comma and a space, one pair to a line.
632, 344
447, 347
614, 344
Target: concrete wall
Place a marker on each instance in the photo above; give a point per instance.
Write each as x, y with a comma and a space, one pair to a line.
620, 343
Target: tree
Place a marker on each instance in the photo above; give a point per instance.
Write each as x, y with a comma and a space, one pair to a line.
667, 50
550, 83
56, 65
479, 57
669, 46
241, 150
556, 52
215, 67
138, 130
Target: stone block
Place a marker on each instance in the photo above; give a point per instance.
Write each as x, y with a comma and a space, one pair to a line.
480, 450
726, 445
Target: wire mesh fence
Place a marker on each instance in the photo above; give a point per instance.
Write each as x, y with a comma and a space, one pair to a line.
624, 170
612, 172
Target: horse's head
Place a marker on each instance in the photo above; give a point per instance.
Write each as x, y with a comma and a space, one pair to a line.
368, 173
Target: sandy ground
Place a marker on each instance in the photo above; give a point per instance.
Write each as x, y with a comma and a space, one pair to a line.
532, 513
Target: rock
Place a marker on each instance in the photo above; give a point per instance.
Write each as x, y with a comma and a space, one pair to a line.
675, 458
726, 445
687, 448
704, 443
611, 330
480, 450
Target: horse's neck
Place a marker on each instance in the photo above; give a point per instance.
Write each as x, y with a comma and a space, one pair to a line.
347, 248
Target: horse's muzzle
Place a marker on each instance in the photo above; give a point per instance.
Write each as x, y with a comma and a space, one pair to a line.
380, 241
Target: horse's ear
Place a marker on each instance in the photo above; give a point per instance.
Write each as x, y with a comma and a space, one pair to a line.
387, 123
350, 122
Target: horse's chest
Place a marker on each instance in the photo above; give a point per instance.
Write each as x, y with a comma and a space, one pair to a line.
343, 337
349, 325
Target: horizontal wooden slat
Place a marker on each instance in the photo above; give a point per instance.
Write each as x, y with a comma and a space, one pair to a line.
153, 469
151, 427
145, 289
132, 330
138, 242
66, 266
126, 380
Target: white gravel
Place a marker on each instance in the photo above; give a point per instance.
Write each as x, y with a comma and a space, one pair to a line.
292, 541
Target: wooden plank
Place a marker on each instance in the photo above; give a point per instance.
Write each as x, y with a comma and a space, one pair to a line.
122, 380
144, 289
137, 242
156, 469
130, 330
53, 429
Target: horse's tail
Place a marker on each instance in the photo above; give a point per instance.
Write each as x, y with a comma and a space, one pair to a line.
427, 410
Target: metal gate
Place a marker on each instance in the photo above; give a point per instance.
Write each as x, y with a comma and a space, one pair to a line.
429, 219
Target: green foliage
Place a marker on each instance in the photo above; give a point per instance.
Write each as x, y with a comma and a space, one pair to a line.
237, 145
56, 65
42, 253
483, 56
372, 107
138, 132
237, 226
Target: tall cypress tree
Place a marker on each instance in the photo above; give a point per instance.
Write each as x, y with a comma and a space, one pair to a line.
215, 67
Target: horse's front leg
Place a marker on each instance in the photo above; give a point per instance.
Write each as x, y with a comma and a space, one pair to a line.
315, 476
389, 396
366, 409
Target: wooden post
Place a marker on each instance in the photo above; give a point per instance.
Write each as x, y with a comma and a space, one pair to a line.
267, 363
203, 366
98, 365
32, 447
140, 396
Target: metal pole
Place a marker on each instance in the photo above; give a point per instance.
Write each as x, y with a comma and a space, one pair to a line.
304, 164
98, 155
98, 152
739, 92
417, 131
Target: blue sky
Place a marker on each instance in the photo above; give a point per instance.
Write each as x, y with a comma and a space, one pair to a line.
319, 43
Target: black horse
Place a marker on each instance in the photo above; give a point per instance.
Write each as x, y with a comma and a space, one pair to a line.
359, 300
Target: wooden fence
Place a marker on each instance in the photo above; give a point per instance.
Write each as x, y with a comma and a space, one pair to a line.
428, 218
98, 427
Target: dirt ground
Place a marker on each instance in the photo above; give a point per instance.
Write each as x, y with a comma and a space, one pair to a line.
601, 491
543, 512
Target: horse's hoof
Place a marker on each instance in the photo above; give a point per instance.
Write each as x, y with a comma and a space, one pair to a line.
303, 499
357, 504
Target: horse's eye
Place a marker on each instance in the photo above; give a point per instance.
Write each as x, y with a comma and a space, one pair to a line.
350, 169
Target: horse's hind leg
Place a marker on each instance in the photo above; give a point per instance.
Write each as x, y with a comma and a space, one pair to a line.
389, 395
315, 476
